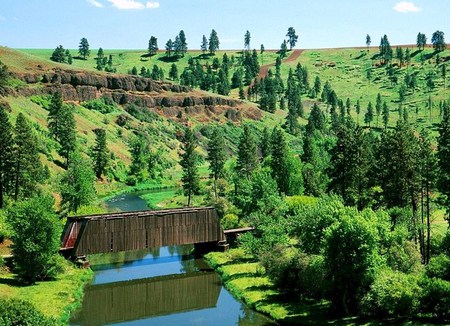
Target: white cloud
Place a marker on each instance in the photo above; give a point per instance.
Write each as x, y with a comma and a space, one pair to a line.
152, 5
405, 6
95, 3
132, 4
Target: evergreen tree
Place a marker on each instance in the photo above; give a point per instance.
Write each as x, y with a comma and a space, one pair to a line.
351, 160
283, 49
397, 165
173, 73
83, 48
27, 170
421, 41
59, 55
77, 184
368, 117
247, 156
188, 162
139, 150
385, 115
443, 154
216, 156
54, 118
279, 163
262, 50
316, 120
292, 37
438, 41
152, 45
265, 144
385, 49
378, 106
213, 43
358, 110
169, 48
100, 153
6, 153
4, 75
317, 85
368, 41
204, 45
183, 43
247, 41
67, 137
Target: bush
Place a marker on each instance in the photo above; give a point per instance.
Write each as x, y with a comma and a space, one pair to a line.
102, 105
230, 221
435, 297
294, 272
439, 267
392, 294
14, 312
35, 235
42, 100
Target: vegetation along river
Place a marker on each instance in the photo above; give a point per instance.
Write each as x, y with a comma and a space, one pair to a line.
159, 286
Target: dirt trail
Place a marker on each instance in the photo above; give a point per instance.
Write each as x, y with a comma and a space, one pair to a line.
263, 71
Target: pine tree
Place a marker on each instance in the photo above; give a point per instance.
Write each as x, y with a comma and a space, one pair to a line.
67, 138
204, 44
100, 153
292, 37
188, 162
77, 184
247, 41
378, 106
358, 110
139, 150
6, 153
54, 115
368, 117
83, 48
438, 41
27, 170
443, 154
283, 49
385, 115
59, 54
368, 41
173, 73
152, 45
169, 48
279, 161
216, 156
183, 43
265, 144
247, 156
213, 44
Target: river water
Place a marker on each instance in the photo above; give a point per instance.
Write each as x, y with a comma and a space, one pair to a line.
160, 286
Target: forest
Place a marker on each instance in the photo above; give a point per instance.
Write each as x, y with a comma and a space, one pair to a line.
340, 160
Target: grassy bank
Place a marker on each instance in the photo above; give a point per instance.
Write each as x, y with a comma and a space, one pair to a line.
58, 298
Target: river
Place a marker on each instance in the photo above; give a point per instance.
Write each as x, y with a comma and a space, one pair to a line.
159, 286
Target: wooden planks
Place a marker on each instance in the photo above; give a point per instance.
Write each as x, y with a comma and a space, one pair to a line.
147, 229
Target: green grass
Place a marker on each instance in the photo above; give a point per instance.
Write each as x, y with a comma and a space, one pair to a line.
58, 298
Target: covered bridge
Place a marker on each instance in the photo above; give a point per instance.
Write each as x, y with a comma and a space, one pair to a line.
129, 231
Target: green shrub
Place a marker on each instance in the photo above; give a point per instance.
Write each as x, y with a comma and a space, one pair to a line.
42, 100
294, 272
102, 105
230, 221
435, 297
392, 294
439, 267
15, 312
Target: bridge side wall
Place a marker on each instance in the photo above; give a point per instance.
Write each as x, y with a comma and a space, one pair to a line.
149, 230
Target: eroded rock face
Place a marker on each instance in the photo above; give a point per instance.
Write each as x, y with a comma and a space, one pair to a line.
125, 89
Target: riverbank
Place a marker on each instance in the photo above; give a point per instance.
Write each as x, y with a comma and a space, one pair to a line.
247, 281
58, 298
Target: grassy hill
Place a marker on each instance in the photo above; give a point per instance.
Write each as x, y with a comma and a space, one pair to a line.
345, 69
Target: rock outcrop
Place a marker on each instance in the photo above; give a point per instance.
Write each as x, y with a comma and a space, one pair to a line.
125, 89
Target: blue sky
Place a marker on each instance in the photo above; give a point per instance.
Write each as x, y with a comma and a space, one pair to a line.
128, 24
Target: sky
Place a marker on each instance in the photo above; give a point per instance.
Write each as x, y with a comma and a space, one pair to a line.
129, 24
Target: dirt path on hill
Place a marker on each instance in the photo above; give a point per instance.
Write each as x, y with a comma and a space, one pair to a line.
263, 71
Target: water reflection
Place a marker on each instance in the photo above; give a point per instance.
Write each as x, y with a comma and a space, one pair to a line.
159, 287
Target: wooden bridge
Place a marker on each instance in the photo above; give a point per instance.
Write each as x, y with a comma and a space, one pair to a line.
129, 231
